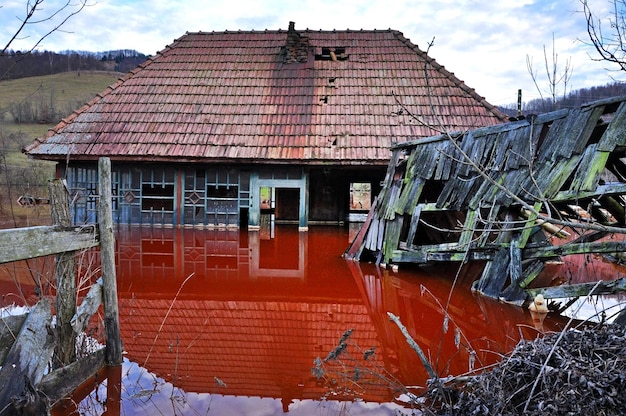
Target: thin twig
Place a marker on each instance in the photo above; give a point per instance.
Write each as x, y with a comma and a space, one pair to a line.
414, 345
156, 337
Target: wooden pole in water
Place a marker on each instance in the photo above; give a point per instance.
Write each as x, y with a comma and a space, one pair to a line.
107, 256
65, 274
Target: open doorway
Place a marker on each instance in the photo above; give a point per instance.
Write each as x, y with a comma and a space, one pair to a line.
360, 201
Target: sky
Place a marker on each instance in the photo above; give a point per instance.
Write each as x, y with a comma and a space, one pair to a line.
486, 44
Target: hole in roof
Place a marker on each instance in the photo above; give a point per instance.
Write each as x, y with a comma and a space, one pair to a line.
332, 54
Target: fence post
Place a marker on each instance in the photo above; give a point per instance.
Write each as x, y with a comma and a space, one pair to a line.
65, 274
107, 257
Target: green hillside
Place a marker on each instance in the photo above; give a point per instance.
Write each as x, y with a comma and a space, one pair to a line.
28, 108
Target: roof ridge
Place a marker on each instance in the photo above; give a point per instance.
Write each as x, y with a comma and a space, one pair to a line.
281, 30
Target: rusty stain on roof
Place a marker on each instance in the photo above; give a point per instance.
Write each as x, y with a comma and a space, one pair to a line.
314, 97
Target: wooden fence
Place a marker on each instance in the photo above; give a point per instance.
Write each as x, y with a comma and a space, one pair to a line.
29, 344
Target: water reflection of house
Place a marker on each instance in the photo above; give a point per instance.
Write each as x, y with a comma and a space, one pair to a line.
220, 126
199, 304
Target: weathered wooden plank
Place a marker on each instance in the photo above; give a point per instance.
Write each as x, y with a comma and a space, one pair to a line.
550, 117
427, 160
451, 155
581, 289
551, 178
383, 196
529, 227
580, 248
515, 260
531, 272
447, 253
373, 235
65, 275
615, 188
9, 328
426, 140
615, 134
353, 252
27, 243
392, 237
107, 258
61, 382
549, 149
410, 196
605, 101
469, 228
588, 171
588, 122
389, 212
415, 219
472, 144
520, 149
90, 304
513, 293
26, 363
614, 206
494, 275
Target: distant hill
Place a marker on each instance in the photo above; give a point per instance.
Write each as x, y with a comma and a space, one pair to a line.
16, 64
573, 99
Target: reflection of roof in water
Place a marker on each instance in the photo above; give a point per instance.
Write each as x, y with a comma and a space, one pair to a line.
260, 335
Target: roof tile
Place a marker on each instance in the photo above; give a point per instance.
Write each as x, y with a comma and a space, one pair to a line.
233, 89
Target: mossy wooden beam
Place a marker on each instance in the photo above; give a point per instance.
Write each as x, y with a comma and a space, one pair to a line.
580, 248
469, 228
392, 237
531, 217
582, 289
495, 274
618, 188
428, 254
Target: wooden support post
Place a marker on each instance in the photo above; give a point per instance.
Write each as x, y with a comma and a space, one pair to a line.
65, 272
107, 255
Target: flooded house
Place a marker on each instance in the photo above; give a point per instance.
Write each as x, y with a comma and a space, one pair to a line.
220, 127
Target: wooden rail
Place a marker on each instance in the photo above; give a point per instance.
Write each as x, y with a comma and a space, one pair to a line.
30, 343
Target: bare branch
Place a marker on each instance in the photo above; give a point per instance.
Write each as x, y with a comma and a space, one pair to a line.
33, 16
610, 46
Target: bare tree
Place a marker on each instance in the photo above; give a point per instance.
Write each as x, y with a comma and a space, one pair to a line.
36, 14
610, 44
557, 78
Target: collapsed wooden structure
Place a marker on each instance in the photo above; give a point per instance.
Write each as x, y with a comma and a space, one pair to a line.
514, 196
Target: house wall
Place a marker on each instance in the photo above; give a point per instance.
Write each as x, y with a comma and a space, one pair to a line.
215, 195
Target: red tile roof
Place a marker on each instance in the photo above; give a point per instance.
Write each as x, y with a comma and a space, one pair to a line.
271, 97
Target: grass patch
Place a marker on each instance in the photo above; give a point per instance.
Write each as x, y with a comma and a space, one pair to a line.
41, 102
66, 91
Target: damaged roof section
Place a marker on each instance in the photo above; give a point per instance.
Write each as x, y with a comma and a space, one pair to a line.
515, 196
271, 97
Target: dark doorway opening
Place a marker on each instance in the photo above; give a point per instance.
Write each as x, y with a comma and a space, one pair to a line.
287, 205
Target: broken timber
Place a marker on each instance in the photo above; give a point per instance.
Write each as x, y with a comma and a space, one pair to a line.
27, 343
513, 196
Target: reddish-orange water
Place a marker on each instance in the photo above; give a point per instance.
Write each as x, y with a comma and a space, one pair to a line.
227, 322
